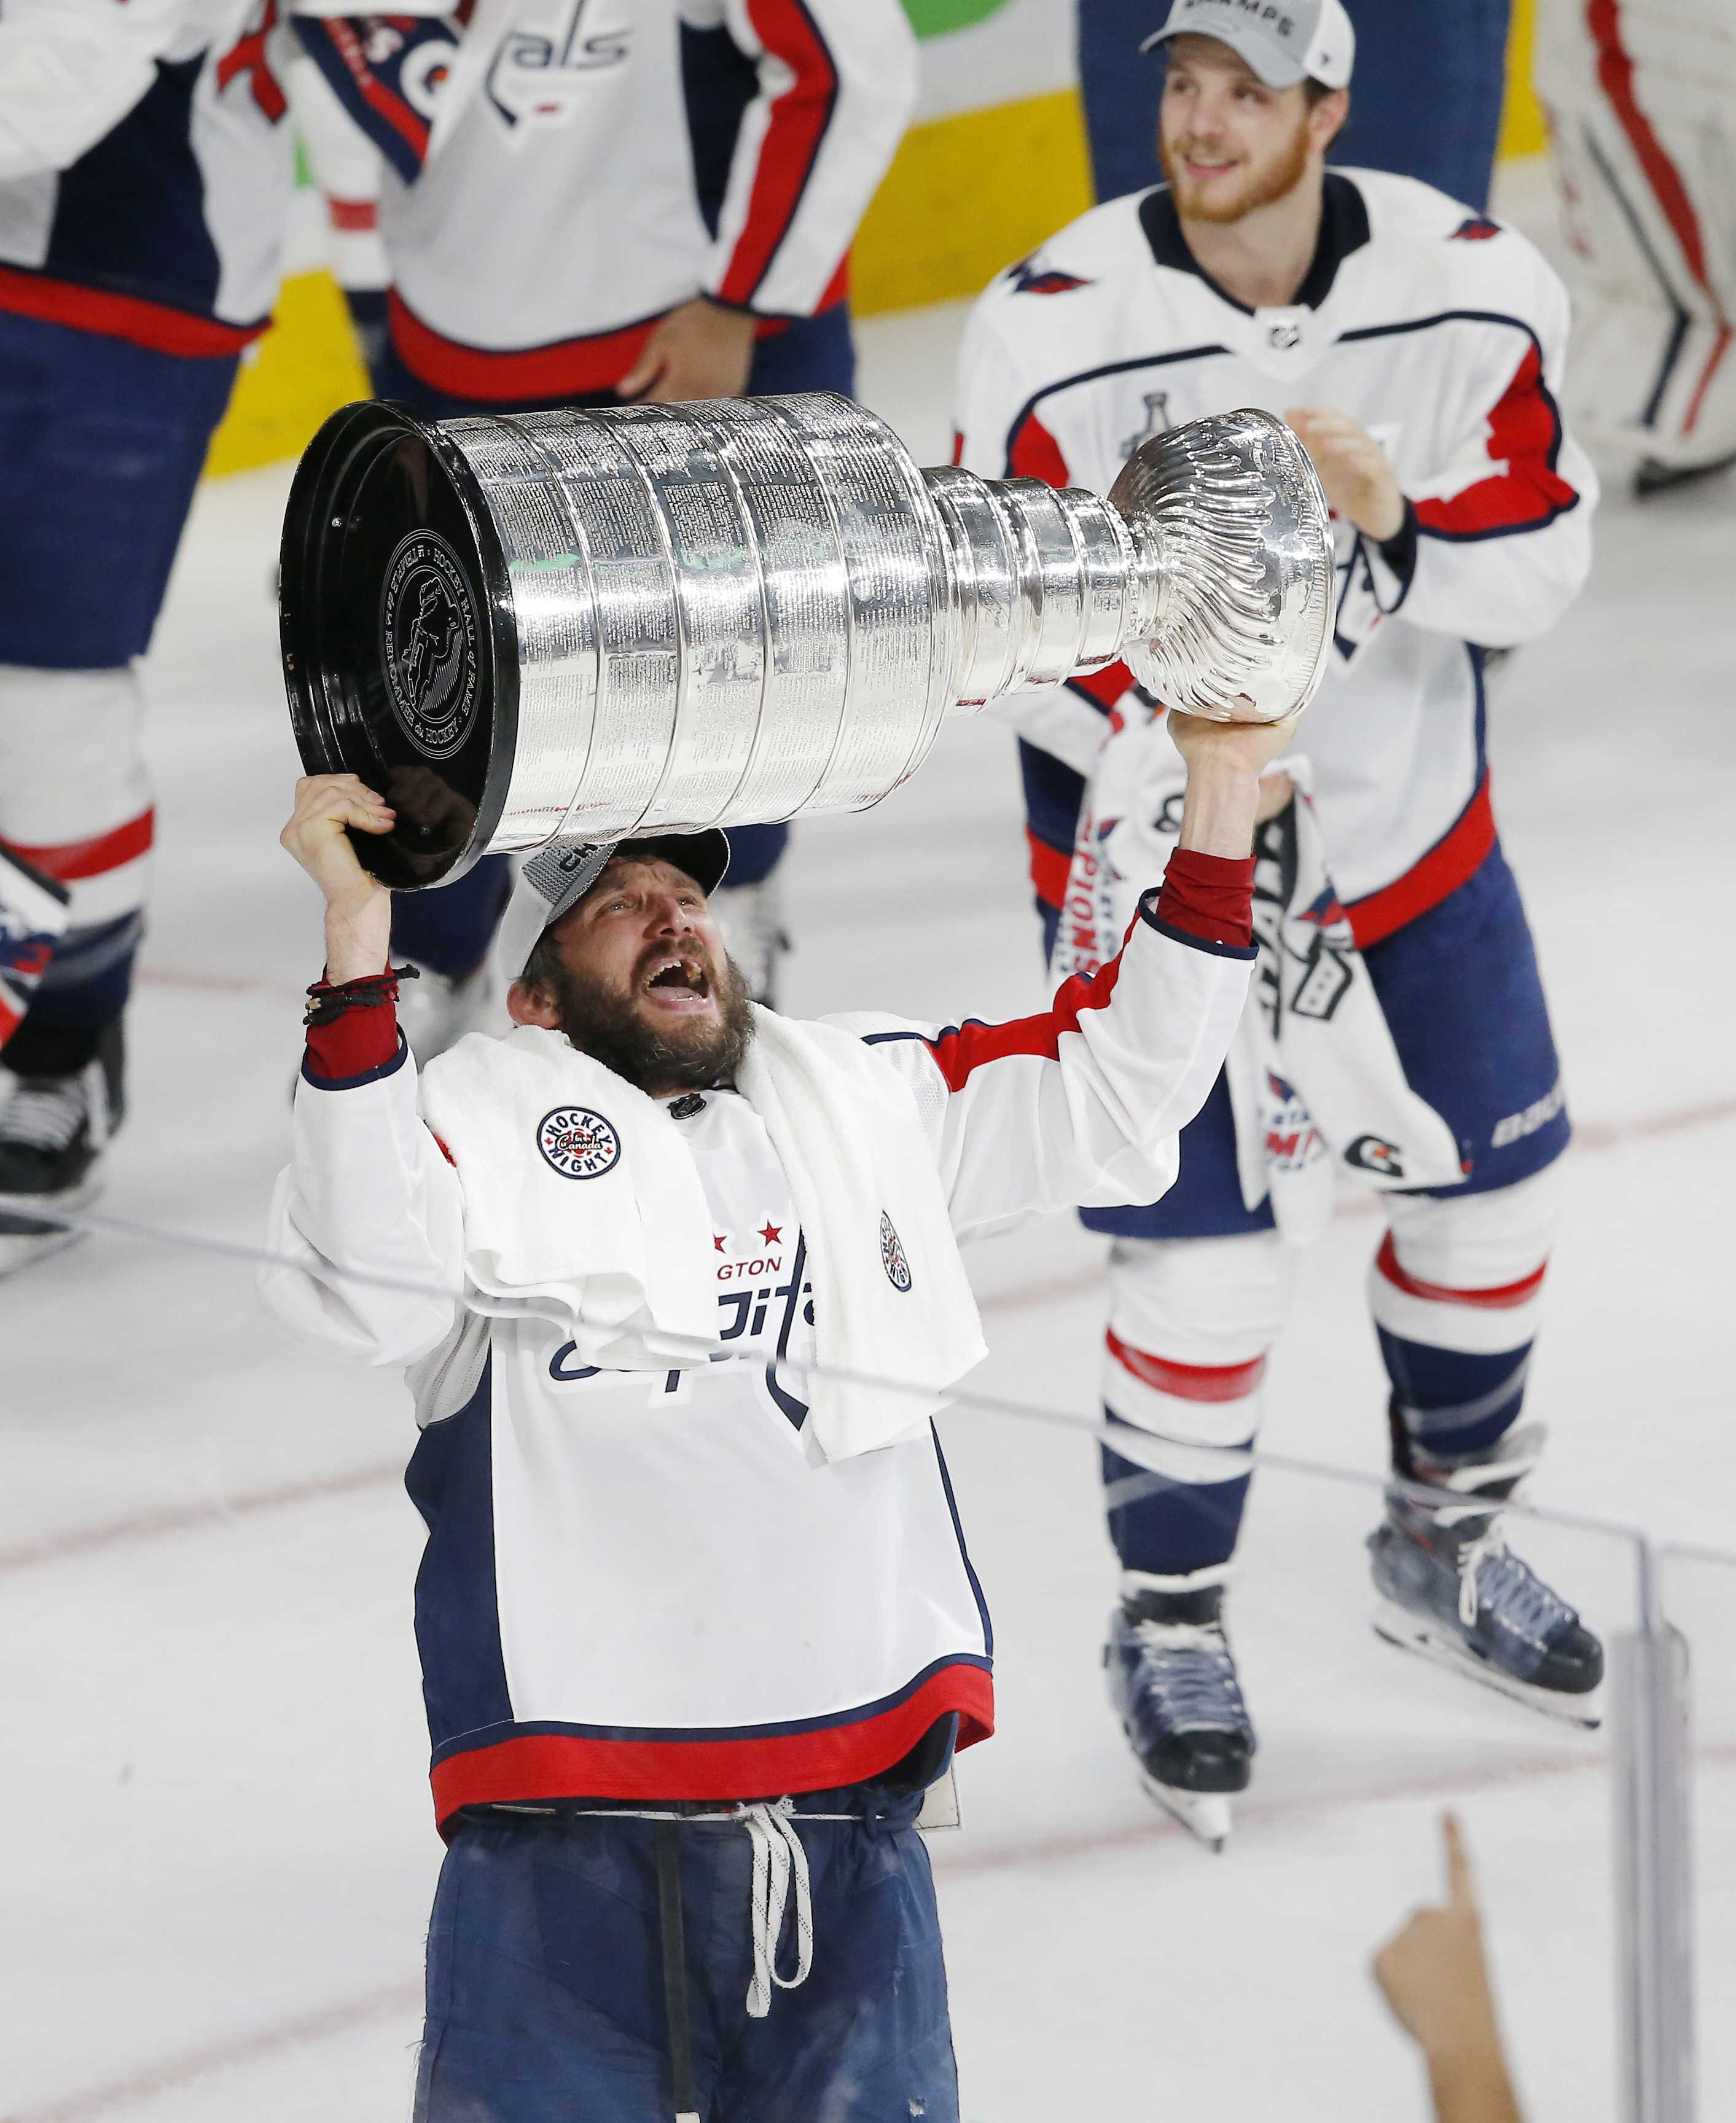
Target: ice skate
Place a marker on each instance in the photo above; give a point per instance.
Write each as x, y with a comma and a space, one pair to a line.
1653, 476
1450, 1589
53, 1130
1172, 1680
751, 917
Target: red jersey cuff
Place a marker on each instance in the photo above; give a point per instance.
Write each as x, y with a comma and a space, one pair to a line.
1209, 897
360, 1043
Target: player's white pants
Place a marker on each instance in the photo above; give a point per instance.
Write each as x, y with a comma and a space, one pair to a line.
1456, 1289
1641, 100
75, 801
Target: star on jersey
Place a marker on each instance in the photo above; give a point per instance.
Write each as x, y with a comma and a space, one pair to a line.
772, 1233
718, 1239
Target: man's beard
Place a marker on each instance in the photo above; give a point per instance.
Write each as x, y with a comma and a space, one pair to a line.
1275, 182
606, 1022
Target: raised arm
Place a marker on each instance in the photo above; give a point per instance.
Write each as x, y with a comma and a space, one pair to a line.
1081, 1103
368, 1187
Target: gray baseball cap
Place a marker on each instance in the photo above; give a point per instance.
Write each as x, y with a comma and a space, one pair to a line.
1284, 41
556, 878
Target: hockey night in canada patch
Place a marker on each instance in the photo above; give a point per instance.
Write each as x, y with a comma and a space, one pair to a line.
578, 1143
427, 645
892, 1254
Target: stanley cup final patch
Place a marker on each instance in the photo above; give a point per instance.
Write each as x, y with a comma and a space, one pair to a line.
892, 1254
578, 1143
429, 645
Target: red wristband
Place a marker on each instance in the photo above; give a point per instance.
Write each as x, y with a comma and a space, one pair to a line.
352, 1044
1209, 897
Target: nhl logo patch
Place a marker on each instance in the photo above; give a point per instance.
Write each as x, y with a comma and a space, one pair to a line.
578, 1143
892, 1254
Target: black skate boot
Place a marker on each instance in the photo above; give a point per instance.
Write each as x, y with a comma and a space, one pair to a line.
1450, 1588
1172, 1680
53, 1129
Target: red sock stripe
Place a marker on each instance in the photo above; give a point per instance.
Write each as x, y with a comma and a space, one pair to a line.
74, 860
1215, 1382
1504, 1297
1616, 76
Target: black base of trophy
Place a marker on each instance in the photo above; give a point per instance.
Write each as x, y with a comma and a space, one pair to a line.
400, 652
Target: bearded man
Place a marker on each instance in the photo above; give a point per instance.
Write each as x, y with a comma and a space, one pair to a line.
677, 1286
1401, 1037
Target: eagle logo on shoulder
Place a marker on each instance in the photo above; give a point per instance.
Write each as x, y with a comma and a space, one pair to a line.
1030, 279
1474, 228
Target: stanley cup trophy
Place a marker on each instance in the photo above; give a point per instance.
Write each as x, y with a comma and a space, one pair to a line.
579, 627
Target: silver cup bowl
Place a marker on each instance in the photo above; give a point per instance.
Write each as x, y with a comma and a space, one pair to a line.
576, 626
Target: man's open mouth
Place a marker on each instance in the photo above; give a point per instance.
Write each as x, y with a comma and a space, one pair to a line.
679, 976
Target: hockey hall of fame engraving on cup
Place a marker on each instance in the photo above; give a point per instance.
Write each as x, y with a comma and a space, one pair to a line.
579, 626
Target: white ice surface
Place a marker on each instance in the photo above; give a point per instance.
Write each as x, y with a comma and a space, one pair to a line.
218, 1852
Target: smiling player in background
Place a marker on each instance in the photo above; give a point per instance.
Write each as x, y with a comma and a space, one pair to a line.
1400, 1032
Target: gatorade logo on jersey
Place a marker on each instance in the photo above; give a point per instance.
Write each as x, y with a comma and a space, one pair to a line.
1043, 281
1369, 1154
427, 645
892, 1255
578, 1143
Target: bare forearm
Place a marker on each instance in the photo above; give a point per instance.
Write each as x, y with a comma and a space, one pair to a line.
1219, 808
358, 936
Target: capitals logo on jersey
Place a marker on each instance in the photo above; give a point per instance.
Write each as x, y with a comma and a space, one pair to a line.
1030, 279
553, 53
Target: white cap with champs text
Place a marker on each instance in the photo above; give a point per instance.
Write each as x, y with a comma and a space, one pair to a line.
1284, 41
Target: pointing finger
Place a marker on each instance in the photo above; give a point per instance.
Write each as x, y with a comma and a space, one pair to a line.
1459, 1890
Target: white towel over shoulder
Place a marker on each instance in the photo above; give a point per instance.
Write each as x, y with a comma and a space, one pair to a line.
583, 1204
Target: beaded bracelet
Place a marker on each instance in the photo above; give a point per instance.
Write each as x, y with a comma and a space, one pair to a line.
326, 1004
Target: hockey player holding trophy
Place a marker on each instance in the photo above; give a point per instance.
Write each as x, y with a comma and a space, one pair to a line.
1399, 1033
675, 1279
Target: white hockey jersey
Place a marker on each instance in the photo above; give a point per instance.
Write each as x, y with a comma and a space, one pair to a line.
1439, 330
541, 210
635, 1583
145, 166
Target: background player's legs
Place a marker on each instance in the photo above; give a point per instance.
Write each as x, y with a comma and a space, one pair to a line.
103, 442
1191, 1321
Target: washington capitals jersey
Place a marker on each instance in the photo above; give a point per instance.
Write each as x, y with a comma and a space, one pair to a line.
145, 168
543, 207
1443, 333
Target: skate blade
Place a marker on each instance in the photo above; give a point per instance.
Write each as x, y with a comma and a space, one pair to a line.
1406, 1632
1204, 1815
21, 1249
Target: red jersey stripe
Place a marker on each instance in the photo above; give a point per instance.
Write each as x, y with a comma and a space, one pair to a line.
1034, 453
75, 860
561, 368
799, 120
1049, 871
1455, 858
158, 326
547, 1766
1503, 1297
1205, 1382
1524, 435
962, 1048
1104, 686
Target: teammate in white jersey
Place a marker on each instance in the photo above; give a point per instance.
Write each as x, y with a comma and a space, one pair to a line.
587, 200
692, 1627
1417, 348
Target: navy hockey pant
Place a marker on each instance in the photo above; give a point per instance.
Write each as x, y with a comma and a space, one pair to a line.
1201, 1284
547, 1997
102, 442
448, 930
